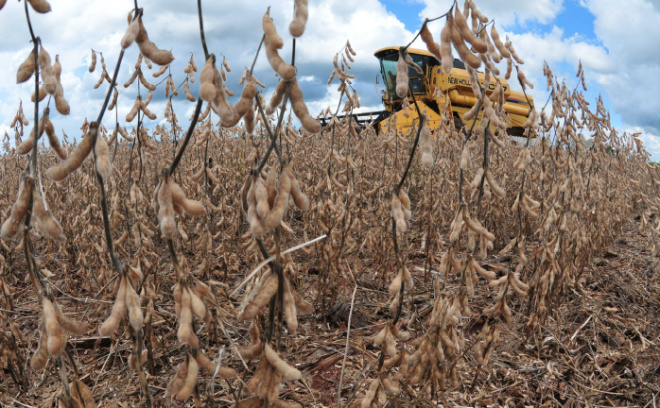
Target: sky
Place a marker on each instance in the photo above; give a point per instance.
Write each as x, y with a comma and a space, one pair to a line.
616, 41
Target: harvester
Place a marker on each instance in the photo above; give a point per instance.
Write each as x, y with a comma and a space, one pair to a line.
454, 86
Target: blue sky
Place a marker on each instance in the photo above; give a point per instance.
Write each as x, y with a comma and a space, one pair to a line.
616, 41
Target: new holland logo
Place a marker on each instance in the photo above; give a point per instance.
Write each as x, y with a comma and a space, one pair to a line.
466, 82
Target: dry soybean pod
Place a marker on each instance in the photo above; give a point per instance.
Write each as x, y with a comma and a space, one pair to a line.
135, 316
245, 192
113, 102
402, 75
190, 381
498, 43
207, 88
124, 134
465, 53
265, 293
492, 50
426, 148
158, 56
146, 111
166, 210
300, 109
197, 305
131, 34
56, 337
40, 6
103, 164
192, 207
100, 81
398, 215
134, 110
277, 97
185, 333
431, 45
247, 96
256, 222
299, 198
272, 40
42, 94
43, 221
131, 79
81, 394
173, 87
40, 358
289, 304
146, 83
26, 69
477, 13
276, 214
271, 37
111, 324
280, 365
18, 211
205, 362
57, 68
186, 90
261, 197
515, 56
297, 26
245, 102
47, 74
220, 104
28, 144
176, 383
71, 326
161, 71
149, 49
524, 82
467, 34
497, 189
92, 65
445, 45
248, 120
285, 71
210, 366
509, 68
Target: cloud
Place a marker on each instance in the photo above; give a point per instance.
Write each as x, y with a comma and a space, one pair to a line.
629, 32
651, 142
504, 12
630, 36
622, 63
233, 30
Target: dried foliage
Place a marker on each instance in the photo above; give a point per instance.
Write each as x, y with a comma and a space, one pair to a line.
489, 272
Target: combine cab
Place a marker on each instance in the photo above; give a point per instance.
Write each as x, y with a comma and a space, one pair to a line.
455, 86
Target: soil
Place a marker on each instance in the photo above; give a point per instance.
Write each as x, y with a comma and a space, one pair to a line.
599, 347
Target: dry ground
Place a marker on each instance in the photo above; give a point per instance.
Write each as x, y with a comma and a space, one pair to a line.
600, 347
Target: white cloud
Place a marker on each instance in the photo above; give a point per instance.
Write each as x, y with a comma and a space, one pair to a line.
504, 12
232, 30
629, 31
623, 62
630, 34
651, 142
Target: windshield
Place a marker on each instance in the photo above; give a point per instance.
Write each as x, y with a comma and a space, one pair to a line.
388, 70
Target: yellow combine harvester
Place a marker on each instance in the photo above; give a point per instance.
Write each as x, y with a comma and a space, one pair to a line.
455, 86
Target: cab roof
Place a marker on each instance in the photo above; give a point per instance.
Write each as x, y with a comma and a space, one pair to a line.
389, 50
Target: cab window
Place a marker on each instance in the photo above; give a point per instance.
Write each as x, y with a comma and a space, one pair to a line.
388, 70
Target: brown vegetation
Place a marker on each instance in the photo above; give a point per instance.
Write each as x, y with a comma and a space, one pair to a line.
482, 271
